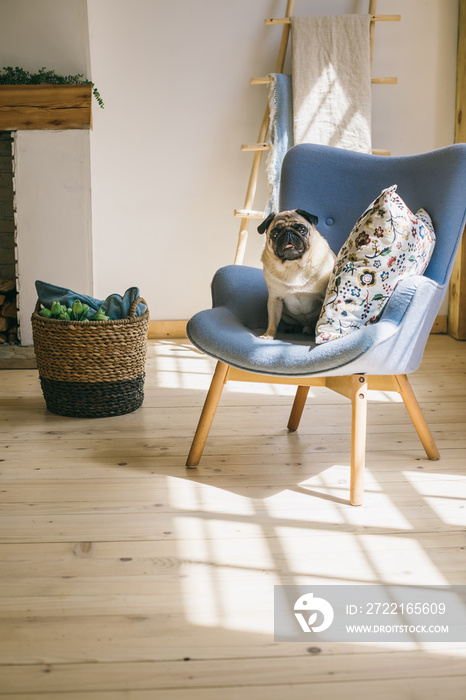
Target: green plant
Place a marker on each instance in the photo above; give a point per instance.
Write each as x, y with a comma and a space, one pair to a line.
19, 76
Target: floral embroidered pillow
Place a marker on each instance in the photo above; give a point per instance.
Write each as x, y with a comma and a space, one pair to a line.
387, 243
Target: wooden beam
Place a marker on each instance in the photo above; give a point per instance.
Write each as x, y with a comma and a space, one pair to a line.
253, 178
372, 11
384, 81
266, 80
249, 214
374, 18
241, 375
264, 146
45, 107
457, 299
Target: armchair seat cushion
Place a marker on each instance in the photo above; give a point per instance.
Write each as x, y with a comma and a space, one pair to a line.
231, 330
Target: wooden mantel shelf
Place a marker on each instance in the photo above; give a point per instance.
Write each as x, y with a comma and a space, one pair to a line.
45, 107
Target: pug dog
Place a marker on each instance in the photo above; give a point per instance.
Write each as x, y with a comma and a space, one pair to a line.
297, 263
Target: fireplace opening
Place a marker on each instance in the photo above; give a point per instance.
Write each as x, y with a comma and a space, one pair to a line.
9, 332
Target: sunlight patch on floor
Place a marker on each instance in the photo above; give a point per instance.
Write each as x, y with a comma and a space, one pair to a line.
226, 585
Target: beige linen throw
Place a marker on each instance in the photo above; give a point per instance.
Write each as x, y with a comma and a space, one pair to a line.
332, 81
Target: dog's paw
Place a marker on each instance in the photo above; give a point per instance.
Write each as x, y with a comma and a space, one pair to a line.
267, 336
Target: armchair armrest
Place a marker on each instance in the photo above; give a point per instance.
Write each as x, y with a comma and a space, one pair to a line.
243, 291
410, 312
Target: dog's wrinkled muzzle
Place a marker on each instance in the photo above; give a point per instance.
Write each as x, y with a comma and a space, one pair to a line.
290, 245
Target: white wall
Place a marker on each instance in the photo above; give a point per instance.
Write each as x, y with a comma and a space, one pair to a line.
50, 33
53, 215
167, 170
418, 114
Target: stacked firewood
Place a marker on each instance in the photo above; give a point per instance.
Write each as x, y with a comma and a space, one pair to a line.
8, 312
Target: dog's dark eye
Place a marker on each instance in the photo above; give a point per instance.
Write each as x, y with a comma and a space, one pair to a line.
302, 229
274, 232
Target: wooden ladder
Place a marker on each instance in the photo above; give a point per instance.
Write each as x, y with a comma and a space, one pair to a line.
247, 212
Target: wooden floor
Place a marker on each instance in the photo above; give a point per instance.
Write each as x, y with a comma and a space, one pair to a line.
125, 576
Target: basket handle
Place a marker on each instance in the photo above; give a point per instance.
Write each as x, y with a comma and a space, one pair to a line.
134, 306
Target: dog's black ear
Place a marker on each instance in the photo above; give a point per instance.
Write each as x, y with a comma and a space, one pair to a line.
312, 218
262, 228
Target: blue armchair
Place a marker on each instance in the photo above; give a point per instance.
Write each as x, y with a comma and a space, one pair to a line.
337, 186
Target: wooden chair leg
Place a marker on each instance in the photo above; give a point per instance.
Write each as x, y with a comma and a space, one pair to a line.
298, 407
415, 413
358, 437
207, 415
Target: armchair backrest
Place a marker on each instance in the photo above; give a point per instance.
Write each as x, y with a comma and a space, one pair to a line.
338, 185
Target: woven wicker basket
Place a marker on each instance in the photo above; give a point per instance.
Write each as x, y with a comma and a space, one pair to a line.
91, 369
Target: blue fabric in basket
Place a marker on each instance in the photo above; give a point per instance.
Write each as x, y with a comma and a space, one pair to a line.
114, 306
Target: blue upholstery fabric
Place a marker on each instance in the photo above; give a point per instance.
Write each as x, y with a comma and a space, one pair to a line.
337, 186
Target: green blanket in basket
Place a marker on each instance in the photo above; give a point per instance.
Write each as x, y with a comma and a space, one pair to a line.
115, 306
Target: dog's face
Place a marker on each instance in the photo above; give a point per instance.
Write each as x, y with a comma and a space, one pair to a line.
288, 233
